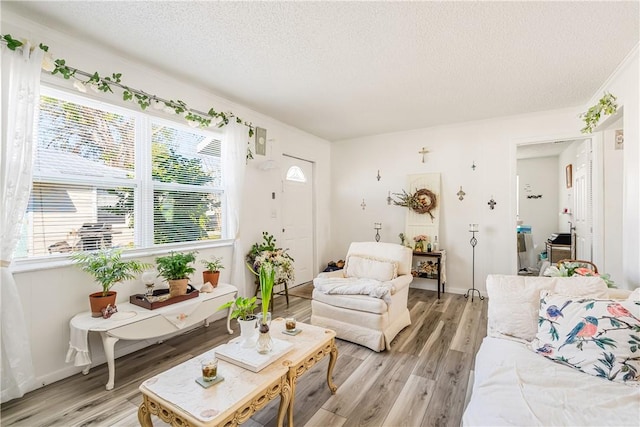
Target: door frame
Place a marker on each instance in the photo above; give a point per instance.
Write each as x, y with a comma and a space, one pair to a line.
314, 230
597, 188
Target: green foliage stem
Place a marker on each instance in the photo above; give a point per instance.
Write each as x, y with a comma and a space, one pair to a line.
267, 280
606, 105
104, 84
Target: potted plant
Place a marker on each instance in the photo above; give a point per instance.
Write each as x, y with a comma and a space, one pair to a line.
243, 310
267, 280
108, 268
212, 272
176, 268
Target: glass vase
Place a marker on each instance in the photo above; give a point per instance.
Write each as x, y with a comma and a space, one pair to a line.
265, 343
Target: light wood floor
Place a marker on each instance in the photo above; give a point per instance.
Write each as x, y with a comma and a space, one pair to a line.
422, 381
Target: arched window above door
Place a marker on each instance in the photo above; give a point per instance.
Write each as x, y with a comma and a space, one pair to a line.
295, 174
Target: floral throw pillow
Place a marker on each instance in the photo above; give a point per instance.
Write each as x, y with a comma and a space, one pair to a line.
595, 336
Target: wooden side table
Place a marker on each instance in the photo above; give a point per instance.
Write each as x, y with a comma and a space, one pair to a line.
440, 257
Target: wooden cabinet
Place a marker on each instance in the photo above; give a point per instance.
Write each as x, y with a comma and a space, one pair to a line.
430, 265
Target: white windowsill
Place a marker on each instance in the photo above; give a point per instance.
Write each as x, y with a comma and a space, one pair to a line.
60, 260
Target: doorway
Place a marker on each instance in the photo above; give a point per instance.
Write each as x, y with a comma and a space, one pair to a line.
553, 198
297, 216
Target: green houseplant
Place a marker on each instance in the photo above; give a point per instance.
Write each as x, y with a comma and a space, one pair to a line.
212, 272
176, 268
107, 268
243, 310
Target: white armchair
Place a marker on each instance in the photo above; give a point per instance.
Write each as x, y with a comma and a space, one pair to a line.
362, 319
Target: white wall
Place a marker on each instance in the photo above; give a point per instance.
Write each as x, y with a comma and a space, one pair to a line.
491, 144
613, 196
625, 85
539, 175
51, 297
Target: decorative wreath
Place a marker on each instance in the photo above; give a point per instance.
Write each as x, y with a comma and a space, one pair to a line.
422, 201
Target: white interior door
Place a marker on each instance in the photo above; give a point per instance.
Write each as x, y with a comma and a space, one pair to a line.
583, 202
297, 214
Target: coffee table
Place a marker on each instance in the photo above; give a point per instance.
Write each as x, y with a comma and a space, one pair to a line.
177, 399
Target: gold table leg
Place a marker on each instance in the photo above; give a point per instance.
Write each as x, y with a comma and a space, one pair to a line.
285, 402
332, 362
144, 417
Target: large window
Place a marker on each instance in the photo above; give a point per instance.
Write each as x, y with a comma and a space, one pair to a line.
109, 177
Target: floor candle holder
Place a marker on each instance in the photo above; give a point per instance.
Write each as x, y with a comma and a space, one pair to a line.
473, 229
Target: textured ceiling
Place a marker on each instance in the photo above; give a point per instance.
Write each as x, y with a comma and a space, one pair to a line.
347, 69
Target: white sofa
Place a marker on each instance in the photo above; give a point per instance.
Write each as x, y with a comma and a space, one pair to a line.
363, 319
514, 385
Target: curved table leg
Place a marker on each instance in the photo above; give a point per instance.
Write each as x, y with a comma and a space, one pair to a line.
229, 315
144, 417
109, 342
85, 371
332, 362
286, 404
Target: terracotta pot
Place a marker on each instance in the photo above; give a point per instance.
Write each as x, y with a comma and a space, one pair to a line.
178, 287
97, 302
211, 277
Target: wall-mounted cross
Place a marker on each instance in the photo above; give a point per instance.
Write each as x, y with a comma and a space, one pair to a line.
423, 152
460, 194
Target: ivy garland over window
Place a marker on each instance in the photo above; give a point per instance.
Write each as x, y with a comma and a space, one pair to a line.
99, 83
591, 118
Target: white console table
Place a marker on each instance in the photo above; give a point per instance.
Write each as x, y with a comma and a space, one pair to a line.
133, 322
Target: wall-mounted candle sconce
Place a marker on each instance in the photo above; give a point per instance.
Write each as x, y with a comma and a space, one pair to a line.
363, 204
377, 226
378, 176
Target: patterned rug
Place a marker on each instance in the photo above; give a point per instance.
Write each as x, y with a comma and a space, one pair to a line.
302, 291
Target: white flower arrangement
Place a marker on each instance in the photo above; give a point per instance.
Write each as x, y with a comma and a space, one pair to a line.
281, 261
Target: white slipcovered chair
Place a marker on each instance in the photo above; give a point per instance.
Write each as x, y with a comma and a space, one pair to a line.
369, 321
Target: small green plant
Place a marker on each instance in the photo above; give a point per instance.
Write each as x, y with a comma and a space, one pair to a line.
215, 264
267, 280
243, 308
107, 267
606, 105
176, 266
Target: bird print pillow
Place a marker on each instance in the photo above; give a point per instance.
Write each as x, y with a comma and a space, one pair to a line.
596, 336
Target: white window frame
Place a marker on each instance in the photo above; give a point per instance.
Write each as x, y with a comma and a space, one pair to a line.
142, 184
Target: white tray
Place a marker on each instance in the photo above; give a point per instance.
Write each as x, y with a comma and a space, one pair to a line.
248, 357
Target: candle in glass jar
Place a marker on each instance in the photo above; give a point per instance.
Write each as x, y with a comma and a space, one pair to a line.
473, 227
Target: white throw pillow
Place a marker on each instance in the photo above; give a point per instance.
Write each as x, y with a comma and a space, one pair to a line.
595, 336
514, 301
370, 267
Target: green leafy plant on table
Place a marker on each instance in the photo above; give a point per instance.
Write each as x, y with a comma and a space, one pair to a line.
242, 308
107, 267
212, 272
176, 268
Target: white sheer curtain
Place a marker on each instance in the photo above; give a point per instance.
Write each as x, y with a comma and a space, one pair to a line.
20, 99
235, 155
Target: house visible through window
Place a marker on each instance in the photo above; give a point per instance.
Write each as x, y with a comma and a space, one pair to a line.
110, 177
